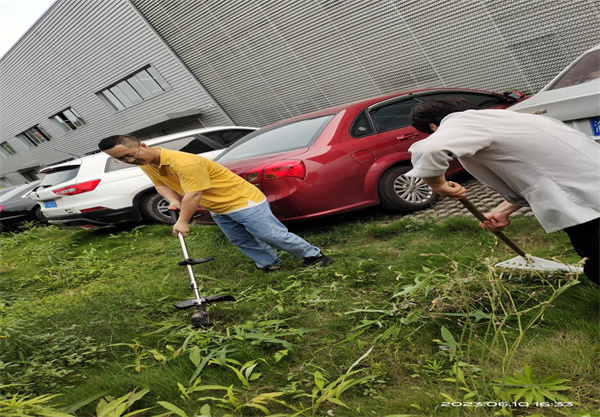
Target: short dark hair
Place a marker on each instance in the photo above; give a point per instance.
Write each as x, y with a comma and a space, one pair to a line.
434, 111
112, 141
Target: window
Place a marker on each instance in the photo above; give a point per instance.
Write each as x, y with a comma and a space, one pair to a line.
479, 100
59, 175
361, 126
226, 137
7, 150
392, 116
68, 120
586, 69
295, 135
34, 136
134, 89
30, 175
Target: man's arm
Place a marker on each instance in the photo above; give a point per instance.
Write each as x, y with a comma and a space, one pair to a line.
189, 205
445, 188
499, 217
171, 196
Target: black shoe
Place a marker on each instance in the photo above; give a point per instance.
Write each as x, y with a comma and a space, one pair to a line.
275, 266
320, 259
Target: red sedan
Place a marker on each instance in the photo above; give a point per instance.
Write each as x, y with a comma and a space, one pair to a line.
346, 157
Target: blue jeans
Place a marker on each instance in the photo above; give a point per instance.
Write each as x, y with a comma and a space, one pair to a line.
254, 230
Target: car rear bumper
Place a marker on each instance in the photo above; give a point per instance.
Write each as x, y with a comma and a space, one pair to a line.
106, 217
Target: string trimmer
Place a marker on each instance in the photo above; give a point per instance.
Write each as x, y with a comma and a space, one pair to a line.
200, 316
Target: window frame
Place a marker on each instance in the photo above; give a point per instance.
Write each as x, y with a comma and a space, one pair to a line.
421, 96
136, 88
66, 123
7, 150
31, 140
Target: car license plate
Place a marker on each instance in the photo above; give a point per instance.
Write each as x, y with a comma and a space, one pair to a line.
595, 124
49, 204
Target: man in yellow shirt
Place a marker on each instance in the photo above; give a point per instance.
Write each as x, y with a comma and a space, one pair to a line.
239, 208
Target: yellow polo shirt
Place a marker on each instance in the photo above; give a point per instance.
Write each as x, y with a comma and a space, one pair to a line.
222, 190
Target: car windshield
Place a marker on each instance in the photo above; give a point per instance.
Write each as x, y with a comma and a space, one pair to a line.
16, 191
60, 175
4, 191
290, 136
584, 70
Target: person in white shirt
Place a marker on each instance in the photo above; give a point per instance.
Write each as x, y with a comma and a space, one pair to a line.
530, 160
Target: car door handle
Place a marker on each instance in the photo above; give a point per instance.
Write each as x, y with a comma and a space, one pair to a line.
412, 135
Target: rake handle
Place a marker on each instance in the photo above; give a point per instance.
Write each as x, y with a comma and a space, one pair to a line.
481, 217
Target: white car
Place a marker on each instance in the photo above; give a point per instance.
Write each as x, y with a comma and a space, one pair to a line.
98, 190
573, 96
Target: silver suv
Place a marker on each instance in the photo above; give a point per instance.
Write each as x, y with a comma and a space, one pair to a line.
98, 190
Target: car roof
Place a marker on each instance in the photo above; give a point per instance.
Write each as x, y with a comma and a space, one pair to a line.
149, 142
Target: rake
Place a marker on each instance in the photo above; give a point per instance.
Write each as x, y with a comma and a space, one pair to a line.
523, 262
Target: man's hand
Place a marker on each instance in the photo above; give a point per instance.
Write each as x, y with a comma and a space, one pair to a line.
189, 204
181, 227
495, 223
498, 218
445, 188
452, 190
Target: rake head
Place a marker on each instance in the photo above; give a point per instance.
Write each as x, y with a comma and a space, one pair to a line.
532, 263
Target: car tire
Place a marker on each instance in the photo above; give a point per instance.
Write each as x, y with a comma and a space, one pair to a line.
38, 215
154, 208
404, 194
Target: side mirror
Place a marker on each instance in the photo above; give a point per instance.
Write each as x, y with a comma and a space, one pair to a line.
511, 96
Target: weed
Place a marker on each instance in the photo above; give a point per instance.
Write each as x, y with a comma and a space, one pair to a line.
90, 315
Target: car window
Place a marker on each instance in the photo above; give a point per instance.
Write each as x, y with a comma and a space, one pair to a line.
13, 192
294, 135
196, 144
59, 175
361, 126
395, 115
226, 138
584, 70
479, 100
190, 144
392, 116
3, 191
21, 190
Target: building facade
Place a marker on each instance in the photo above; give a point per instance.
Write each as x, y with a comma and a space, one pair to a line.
86, 70
265, 60
254, 62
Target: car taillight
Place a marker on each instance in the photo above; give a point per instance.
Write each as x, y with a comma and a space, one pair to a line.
254, 176
284, 169
274, 171
1, 208
82, 187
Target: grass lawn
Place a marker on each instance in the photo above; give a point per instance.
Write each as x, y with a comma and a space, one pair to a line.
411, 319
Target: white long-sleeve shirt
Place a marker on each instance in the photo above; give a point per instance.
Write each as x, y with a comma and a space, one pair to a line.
530, 160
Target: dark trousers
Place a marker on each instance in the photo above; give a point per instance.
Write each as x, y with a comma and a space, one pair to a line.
585, 238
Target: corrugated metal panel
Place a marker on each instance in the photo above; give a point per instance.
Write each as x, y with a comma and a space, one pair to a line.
265, 60
78, 48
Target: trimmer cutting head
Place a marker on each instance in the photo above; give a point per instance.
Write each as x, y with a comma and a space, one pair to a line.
200, 317
204, 299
